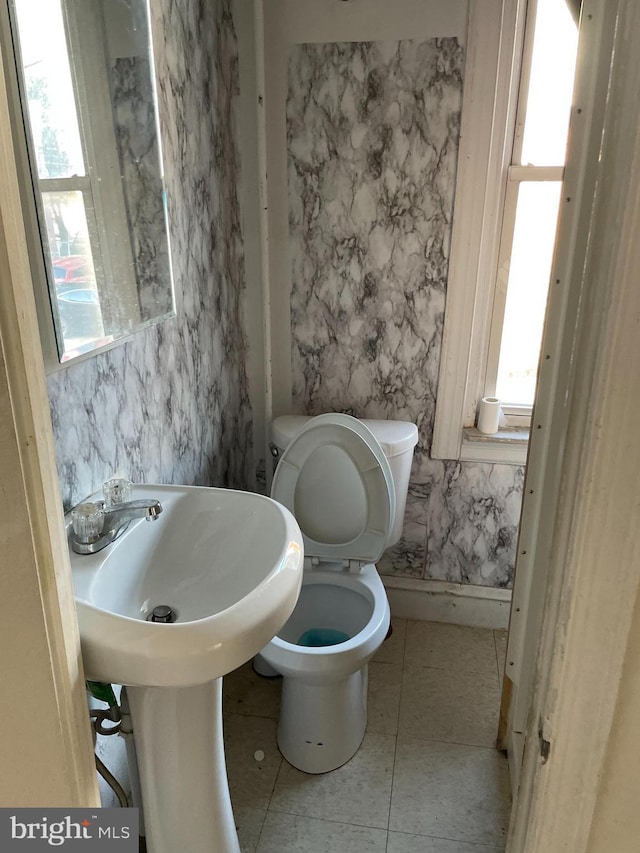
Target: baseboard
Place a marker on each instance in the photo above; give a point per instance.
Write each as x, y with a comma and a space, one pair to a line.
439, 601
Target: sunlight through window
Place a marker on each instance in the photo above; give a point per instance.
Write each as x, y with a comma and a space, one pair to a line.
531, 206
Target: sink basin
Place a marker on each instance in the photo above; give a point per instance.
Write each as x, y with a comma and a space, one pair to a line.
230, 565
228, 562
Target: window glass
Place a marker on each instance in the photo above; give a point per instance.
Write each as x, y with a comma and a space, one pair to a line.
78, 303
528, 278
550, 85
67, 230
49, 90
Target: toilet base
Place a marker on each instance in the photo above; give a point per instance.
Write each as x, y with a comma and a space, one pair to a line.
322, 725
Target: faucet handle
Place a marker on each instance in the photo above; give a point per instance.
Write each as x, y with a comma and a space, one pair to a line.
116, 491
87, 520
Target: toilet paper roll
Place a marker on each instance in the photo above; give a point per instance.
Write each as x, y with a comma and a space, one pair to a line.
489, 415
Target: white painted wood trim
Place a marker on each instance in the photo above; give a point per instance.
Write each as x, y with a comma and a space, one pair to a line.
593, 567
440, 601
494, 452
45, 551
488, 113
535, 173
547, 445
79, 183
525, 78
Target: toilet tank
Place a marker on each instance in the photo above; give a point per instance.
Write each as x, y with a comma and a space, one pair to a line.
396, 438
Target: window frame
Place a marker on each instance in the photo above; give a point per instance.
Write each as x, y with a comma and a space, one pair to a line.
516, 414
486, 191
104, 200
100, 187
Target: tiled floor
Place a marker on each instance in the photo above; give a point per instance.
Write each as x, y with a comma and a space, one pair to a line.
426, 778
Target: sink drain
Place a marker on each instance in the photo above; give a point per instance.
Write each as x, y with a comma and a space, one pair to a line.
162, 613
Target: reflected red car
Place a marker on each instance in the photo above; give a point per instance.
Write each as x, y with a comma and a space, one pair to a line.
72, 269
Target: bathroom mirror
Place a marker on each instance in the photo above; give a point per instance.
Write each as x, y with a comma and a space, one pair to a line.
87, 99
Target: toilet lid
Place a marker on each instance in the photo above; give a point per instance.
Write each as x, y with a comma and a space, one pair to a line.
336, 480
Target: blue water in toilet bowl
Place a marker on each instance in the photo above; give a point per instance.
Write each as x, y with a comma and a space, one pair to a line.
322, 637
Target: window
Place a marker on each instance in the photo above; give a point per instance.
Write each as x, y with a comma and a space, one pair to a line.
74, 158
492, 340
534, 180
59, 158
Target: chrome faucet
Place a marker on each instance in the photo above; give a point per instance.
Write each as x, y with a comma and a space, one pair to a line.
95, 527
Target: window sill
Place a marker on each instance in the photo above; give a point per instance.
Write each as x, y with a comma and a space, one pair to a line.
508, 446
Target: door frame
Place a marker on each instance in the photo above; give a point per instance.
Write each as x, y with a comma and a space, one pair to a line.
584, 543
48, 752
556, 372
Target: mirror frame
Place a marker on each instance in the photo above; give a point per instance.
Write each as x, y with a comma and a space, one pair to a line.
29, 192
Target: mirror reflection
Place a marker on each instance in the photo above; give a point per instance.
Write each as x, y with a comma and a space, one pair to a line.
89, 105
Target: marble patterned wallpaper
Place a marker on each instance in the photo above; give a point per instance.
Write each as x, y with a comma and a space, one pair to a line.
372, 136
172, 404
373, 139
461, 524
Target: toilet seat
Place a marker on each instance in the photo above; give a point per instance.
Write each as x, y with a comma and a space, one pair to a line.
335, 478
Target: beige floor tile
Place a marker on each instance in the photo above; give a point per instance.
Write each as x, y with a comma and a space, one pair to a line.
401, 842
245, 692
250, 782
460, 793
500, 638
392, 650
383, 706
284, 833
443, 646
358, 793
249, 823
447, 705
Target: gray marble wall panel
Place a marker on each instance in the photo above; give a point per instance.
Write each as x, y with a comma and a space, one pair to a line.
139, 154
473, 512
461, 524
372, 133
172, 404
407, 557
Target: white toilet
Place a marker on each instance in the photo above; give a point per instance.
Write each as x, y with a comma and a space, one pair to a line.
346, 482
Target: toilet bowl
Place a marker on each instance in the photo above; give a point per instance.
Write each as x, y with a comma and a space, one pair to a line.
336, 477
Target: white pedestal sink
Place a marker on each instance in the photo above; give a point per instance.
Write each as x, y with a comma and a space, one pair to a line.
230, 564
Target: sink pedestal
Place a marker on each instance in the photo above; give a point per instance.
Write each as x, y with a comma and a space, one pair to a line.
185, 793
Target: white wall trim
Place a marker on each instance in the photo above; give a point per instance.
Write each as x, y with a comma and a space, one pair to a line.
440, 601
593, 565
556, 373
488, 115
48, 756
504, 453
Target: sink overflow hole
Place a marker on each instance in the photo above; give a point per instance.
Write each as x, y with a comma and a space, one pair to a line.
162, 613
